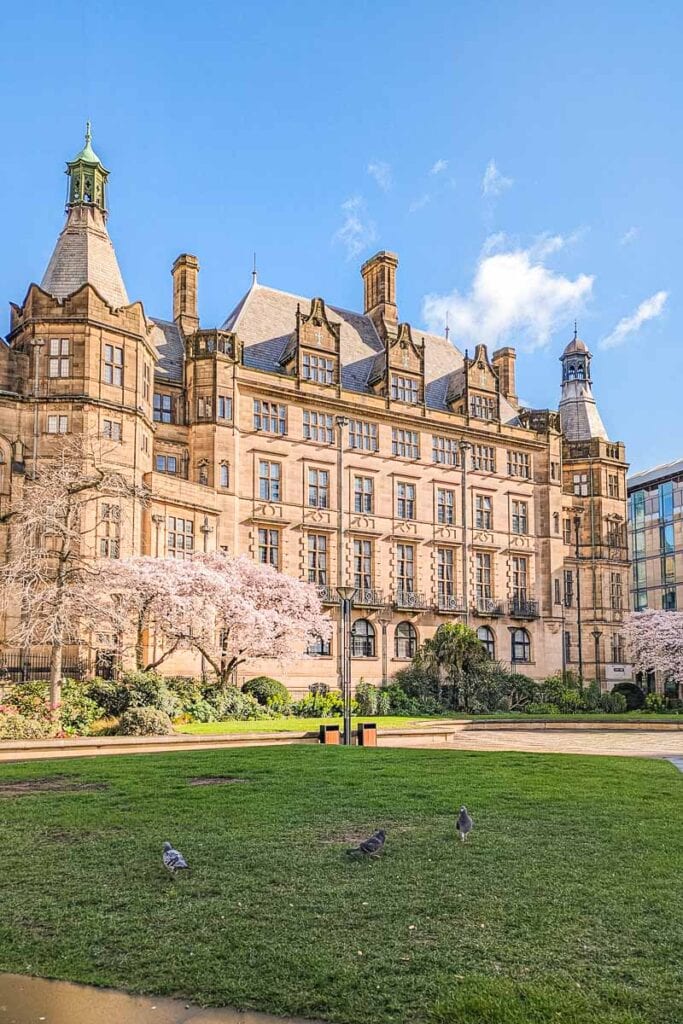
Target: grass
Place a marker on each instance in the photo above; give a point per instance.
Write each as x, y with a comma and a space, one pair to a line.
564, 908
400, 721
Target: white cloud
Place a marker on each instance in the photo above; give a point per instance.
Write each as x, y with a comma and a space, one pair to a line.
438, 167
419, 204
381, 172
356, 233
493, 182
514, 297
647, 310
629, 236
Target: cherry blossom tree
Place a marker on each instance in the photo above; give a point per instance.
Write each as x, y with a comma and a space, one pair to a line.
655, 640
50, 591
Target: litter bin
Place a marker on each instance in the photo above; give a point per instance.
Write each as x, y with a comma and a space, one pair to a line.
330, 734
367, 734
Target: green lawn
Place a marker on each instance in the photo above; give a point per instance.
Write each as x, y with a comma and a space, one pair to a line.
399, 721
565, 908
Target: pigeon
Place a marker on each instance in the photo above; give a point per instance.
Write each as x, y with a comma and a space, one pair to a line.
464, 824
174, 860
371, 847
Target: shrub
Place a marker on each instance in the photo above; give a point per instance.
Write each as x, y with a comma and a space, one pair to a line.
229, 702
78, 710
30, 699
592, 695
539, 708
570, 702
111, 696
269, 692
144, 722
614, 703
675, 704
331, 705
15, 726
635, 698
418, 680
149, 690
655, 702
186, 689
201, 710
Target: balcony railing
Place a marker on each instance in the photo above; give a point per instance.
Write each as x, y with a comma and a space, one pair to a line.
328, 595
411, 600
450, 603
521, 608
488, 606
368, 597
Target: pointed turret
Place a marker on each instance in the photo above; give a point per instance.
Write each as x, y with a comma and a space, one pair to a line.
84, 253
579, 414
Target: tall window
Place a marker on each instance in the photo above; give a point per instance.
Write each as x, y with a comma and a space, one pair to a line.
204, 407
318, 368
270, 417
483, 512
146, 381
445, 506
405, 501
404, 389
318, 488
405, 443
445, 451
363, 435
519, 464
445, 574
482, 576
616, 600
317, 558
405, 641
484, 458
362, 564
363, 494
613, 485
487, 637
59, 363
482, 408
111, 429
166, 464
580, 484
225, 474
568, 588
57, 424
179, 537
163, 408
269, 474
520, 577
405, 567
318, 426
113, 365
521, 645
618, 649
567, 531
224, 408
520, 517
110, 531
269, 547
362, 639
567, 646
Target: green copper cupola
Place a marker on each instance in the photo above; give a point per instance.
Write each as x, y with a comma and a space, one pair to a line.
87, 178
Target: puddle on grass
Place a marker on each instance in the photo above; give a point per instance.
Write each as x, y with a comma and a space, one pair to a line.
32, 1000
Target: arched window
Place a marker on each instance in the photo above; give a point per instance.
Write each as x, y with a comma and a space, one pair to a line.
580, 372
405, 641
362, 639
319, 648
521, 645
488, 639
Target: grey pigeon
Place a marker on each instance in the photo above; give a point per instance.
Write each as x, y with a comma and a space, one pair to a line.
371, 847
464, 824
174, 860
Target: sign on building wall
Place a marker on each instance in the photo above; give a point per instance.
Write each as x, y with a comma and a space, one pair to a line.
618, 673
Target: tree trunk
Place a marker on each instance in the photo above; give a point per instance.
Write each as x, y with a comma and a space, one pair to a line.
56, 659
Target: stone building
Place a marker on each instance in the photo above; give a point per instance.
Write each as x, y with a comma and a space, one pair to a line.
342, 447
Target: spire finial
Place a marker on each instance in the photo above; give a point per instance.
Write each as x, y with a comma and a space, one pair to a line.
576, 331
88, 133
447, 330
253, 272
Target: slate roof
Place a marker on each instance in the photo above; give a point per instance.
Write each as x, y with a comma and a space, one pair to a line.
265, 318
171, 348
579, 414
84, 254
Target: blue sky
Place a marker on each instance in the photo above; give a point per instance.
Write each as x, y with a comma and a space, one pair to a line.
523, 159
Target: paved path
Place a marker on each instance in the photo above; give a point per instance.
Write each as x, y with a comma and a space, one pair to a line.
629, 744
29, 1000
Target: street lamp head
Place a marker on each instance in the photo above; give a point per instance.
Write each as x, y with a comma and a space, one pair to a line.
346, 593
597, 634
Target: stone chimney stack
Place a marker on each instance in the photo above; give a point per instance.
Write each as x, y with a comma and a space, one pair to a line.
185, 274
503, 362
379, 278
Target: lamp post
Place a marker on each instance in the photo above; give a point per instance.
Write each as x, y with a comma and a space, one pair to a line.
596, 636
384, 618
561, 603
346, 596
577, 528
464, 447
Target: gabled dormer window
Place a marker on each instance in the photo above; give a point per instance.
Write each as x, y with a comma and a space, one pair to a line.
404, 389
318, 368
482, 408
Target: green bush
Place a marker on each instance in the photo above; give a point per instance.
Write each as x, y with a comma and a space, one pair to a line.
367, 697
269, 692
111, 696
418, 680
538, 708
14, 726
144, 722
78, 710
592, 695
30, 699
634, 696
655, 703
614, 703
150, 690
201, 710
230, 703
571, 702
331, 705
187, 689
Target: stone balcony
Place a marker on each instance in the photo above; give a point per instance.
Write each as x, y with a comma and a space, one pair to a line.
368, 597
523, 608
410, 600
488, 606
446, 604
